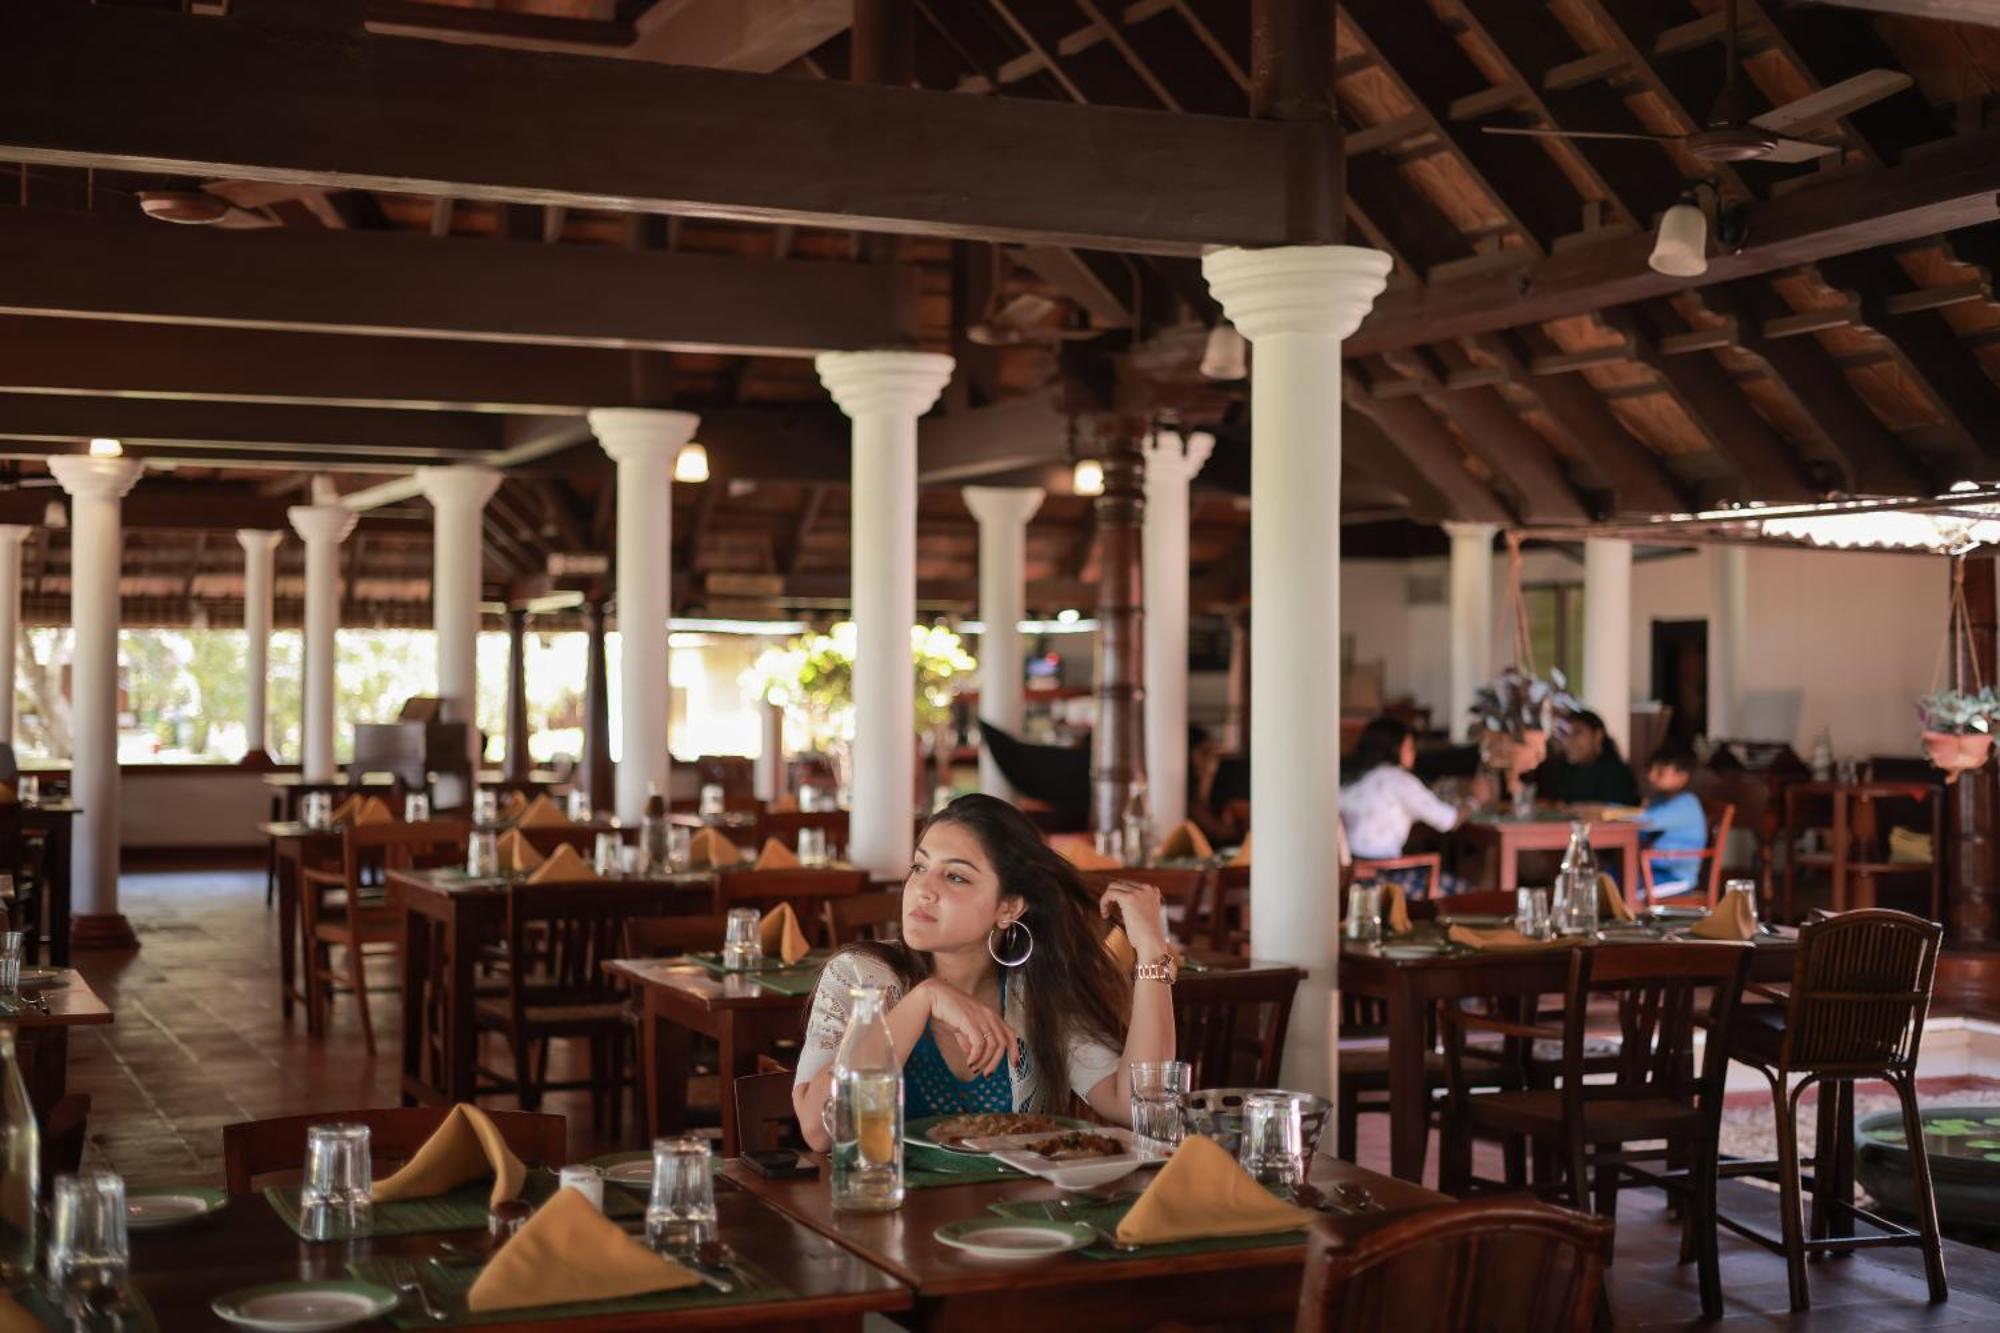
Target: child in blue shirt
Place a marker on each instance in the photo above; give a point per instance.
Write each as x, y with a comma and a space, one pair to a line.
1674, 820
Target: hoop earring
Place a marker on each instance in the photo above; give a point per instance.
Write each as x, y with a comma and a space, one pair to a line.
1026, 953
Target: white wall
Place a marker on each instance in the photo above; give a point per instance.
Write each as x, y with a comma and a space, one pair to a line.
1847, 640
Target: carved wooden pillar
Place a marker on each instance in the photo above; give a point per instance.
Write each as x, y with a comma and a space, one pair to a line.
1973, 882
596, 711
1118, 742
517, 694
1238, 739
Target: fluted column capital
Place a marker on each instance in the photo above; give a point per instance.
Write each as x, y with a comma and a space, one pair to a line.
87, 477
630, 433
322, 523
465, 485
1317, 290
254, 540
890, 383
1002, 506
1171, 456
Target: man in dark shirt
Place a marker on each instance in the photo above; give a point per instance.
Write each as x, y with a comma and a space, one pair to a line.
1589, 770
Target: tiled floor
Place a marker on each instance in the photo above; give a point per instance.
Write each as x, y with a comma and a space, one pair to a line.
199, 1042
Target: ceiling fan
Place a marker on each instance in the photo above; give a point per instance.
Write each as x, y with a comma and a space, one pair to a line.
1732, 136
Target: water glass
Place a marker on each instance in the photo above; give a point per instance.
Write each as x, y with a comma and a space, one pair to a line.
1364, 914
1849, 772
416, 808
482, 853
579, 806
486, 806
29, 789
605, 859
338, 1196
680, 1215
1109, 842
1531, 913
313, 809
680, 847
1746, 887
1580, 903
12, 942
629, 856
742, 941
711, 800
812, 846
87, 1242
1159, 1102
1273, 1149
585, 1180
1524, 799
808, 798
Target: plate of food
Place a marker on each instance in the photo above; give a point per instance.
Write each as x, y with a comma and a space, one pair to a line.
1073, 1159
953, 1133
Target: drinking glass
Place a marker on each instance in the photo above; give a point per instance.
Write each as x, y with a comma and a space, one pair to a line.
12, 942
312, 809
338, 1196
482, 853
1746, 887
87, 1242
585, 1180
1273, 1149
711, 800
1364, 914
680, 1215
742, 941
605, 859
680, 847
1524, 799
808, 798
1109, 842
30, 789
1159, 1102
1531, 913
579, 807
1848, 771
416, 808
628, 858
486, 806
812, 846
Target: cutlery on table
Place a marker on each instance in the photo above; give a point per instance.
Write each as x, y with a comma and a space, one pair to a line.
409, 1282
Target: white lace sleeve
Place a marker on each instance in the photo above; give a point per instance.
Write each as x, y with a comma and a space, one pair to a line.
831, 1005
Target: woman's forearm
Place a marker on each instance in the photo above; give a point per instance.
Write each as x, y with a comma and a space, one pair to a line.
1148, 1039
906, 1028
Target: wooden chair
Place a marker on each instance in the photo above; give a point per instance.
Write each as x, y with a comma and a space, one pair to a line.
1481, 902
765, 1119
735, 774
666, 936
253, 1148
1720, 819
804, 889
1183, 891
1230, 1026
1861, 989
876, 915
1431, 863
1229, 910
1655, 1093
336, 908
1488, 1264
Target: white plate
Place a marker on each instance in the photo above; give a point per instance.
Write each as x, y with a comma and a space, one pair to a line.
1082, 1173
41, 978
1412, 950
152, 1209
305, 1307
1005, 1238
636, 1174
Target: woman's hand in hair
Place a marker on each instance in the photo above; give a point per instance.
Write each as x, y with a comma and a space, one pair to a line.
983, 1036
1137, 908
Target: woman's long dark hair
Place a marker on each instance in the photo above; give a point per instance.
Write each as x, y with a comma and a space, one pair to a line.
1072, 984
1380, 742
1607, 747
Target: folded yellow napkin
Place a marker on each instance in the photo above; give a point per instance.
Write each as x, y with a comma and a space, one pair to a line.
543, 812
565, 864
1395, 909
1501, 937
363, 810
775, 856
780, 935
1611, 901
516, 803
516, 853
709, 848
1186, 840
15, 1319
1202, 1193
1086, 857
465, 1147
1734, 918
569, 1252
1242, 857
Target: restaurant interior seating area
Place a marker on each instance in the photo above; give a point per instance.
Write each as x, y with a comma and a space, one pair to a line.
1004, 664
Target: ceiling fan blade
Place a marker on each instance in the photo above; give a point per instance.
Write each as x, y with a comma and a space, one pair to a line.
1540, 133
1831, 103
1798, 150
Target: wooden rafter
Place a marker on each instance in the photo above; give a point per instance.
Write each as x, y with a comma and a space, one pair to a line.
1513, 451
1423, 439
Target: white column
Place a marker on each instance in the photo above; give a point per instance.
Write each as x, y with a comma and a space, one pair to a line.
260, 559
1295, 304
457, 496
322, 527
11, 537
883, 394
1003, 513
1471, 618
643, 442
1607, 637
1727, 629
1171, 463
96, 487
769, 774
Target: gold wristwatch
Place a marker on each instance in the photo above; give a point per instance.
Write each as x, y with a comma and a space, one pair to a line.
1165, 968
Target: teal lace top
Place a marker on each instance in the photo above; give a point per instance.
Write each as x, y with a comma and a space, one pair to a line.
930, 1088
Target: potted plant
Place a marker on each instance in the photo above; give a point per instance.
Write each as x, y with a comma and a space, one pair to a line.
1517, 713
1958, 729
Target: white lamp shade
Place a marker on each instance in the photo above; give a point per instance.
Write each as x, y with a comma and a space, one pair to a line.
691, 463
1681, 250
1087, 478
1225, 357
104, 447
54, 515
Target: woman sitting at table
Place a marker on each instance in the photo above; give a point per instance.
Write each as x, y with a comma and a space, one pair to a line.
1590, 771
1382, 798
1000, 995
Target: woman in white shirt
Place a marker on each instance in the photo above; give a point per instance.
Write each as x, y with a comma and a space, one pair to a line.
1383, 798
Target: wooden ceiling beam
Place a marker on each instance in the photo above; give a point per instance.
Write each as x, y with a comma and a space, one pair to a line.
1985, 12
374, 283
1018, 432
1514, 451
67, 419
1365, 447
1829, 45
168, 503
1423, 439
716, 143
795, 552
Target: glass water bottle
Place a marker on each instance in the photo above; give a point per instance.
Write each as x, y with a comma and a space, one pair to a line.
867, 1111
653, 844
1576, 884
20, 1168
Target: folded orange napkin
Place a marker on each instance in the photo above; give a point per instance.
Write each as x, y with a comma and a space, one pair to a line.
465, 1147
565, 864
1734, 918
516, 853
1501, 937
1186, 840
15, 1319
515, 804
1395, 909
1242, 857
1610, 901
542, 812
710, 849
569, 1252
1202, 1193
780, 935
775, 856
7, 797
785, 805
1084, 856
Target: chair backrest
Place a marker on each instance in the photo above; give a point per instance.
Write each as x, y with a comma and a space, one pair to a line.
1482, 902
784, 825
765, 1119
571, 930
876, 915
253, 1148
1488, 1264
1860, 991
804, 889
399, 846
1230, 1025
665, 936
1229, 910
1431, 863
1183, 890
1659, 992
1721, 817
734, 773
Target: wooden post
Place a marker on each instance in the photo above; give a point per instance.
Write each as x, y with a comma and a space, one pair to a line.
884, 43
1237, 741
1117, 743
1291, 80
517, 694
1973, 885
596, 711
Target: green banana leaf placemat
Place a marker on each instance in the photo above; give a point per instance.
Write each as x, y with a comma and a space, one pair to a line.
1107, 1215
799, 979
462, 1209
449, 1284
926, 1168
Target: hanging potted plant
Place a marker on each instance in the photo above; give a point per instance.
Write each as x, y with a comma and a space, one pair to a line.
1957, 724
1517, 713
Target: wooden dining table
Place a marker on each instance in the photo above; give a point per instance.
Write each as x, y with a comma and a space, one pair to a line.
42, 1039
180, 1272
54, 823
954, 1290
1507, 836
445, 916
293, 848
